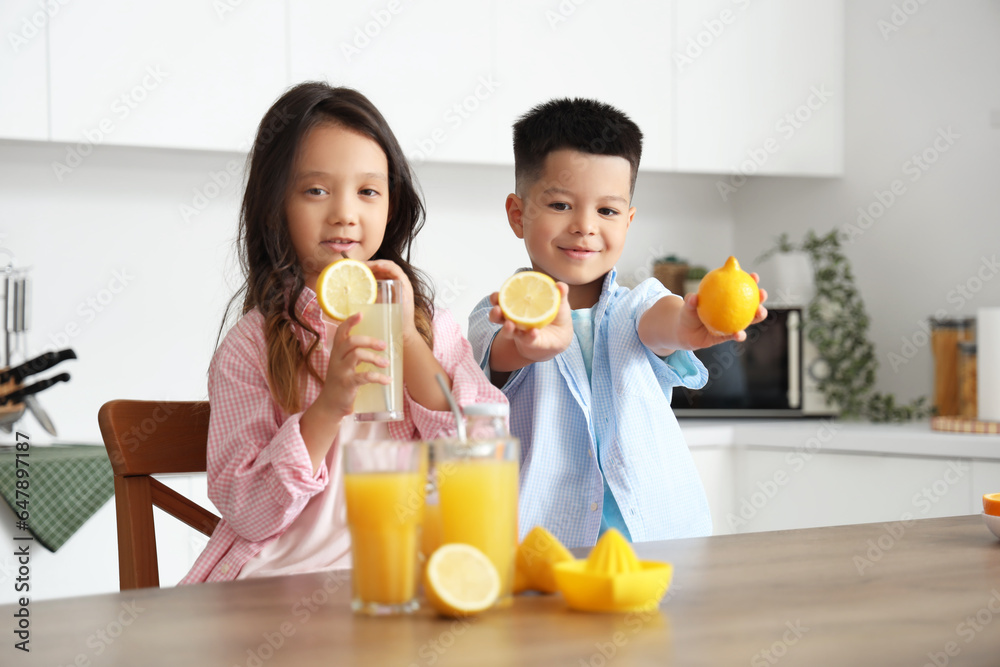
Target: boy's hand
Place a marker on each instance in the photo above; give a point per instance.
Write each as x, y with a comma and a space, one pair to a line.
692, 331
534, 345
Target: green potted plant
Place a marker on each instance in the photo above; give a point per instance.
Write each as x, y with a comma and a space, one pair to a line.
693, 278
837, 323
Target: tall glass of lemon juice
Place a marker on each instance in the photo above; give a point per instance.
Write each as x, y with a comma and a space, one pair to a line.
382, 320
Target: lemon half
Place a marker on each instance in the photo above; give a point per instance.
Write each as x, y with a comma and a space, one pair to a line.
344, 286
460, 580
530, 299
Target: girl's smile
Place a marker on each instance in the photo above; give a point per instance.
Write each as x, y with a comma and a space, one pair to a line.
339, 198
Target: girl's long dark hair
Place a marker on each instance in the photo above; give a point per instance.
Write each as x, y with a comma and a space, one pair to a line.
273, 272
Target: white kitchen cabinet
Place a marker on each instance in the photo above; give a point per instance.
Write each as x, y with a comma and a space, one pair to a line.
785, 489
428, 67
715, 466
24, 104
985, 479
759, 87
620, 54
185, 74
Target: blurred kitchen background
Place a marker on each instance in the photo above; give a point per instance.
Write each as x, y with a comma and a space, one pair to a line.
124, 128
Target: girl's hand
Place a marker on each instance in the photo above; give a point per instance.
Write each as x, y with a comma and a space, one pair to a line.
695, 335
387, 270
342, 378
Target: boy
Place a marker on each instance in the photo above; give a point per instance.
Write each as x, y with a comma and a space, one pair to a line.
590, 393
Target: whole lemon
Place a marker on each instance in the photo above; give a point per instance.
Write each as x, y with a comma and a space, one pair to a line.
727, 299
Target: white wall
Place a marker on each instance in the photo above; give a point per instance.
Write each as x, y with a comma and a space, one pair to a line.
153, 336
939, 70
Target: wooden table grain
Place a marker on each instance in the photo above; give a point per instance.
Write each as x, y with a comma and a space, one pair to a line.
917, 593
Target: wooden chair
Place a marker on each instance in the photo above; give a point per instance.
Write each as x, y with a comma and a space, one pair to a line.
144, 438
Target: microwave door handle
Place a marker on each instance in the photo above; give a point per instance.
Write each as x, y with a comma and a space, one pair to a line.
794, 360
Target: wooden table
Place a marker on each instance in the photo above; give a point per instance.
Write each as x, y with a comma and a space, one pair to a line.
874, 594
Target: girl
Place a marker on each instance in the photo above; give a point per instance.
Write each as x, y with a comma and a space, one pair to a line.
327, 178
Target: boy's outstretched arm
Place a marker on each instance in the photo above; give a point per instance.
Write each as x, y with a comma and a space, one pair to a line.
673, 324
514, 348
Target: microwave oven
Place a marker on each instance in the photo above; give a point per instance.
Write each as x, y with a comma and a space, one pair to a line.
773, 373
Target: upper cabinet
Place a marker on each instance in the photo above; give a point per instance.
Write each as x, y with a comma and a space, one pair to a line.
619, 54
183, 74
429, 67
759, 86
24, 101
717, 86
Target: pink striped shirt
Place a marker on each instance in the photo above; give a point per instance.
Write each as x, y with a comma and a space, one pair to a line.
260, 476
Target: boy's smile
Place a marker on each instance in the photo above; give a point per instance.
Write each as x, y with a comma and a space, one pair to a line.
574, 219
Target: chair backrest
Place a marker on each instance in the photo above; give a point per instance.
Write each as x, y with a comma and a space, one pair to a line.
144, 438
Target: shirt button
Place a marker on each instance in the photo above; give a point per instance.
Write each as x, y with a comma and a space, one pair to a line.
593, 507
224, 568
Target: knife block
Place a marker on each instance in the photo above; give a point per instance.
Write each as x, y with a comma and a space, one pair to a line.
9, 410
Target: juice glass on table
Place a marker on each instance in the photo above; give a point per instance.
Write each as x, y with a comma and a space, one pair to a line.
382, 320
384, 485
476, 484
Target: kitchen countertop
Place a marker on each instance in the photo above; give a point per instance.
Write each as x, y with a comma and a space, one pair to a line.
830, 435
844, 595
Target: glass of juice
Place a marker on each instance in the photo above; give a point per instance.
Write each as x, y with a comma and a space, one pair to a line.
382, 320
476, 484
384, 485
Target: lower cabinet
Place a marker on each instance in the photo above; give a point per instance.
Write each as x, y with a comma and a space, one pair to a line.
753, 489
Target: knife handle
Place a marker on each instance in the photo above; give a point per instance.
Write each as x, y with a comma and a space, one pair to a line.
36, 365
18, 396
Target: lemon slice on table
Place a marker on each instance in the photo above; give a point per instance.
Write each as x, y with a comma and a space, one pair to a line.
529, 299
460, 580
344, 286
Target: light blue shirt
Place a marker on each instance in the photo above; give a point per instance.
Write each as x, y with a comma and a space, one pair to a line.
560, 415
583, 327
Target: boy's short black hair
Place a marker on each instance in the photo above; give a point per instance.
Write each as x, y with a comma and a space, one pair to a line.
578, 124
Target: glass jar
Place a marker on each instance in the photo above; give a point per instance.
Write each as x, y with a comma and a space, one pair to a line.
967, 379
945, 336
486, 421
